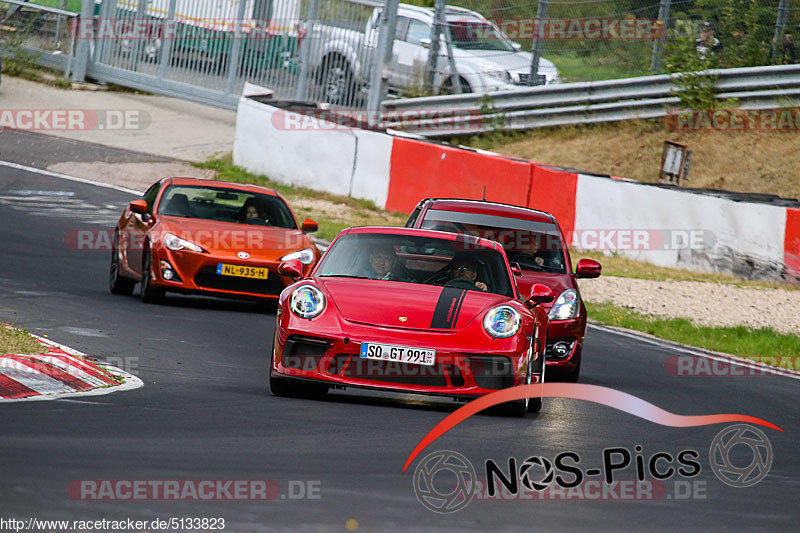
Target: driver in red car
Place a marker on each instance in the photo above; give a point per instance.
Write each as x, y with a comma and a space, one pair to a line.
382, 259
466, 272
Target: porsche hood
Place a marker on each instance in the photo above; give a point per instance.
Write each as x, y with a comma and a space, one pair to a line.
407, 305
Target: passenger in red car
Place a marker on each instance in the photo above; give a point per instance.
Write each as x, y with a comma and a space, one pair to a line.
464, 273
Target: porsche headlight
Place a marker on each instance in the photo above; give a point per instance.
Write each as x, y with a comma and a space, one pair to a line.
502, 321
566, 306
305, 256
175, 243
307, 301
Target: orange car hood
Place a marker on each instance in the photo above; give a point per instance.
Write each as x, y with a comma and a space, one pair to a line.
262, 242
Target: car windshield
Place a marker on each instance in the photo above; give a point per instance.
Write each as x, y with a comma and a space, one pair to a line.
419, 260
530, 244
478, 35
225, 205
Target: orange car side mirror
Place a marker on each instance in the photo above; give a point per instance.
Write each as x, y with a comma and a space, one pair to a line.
309, 226
139, 206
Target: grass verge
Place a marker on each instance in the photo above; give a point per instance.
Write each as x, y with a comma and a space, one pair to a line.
739, 340
332, 212
18, 341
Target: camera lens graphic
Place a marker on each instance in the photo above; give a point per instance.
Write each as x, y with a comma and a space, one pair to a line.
444, 497
742, 435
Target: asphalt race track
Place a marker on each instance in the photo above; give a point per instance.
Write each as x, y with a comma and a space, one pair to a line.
205, 411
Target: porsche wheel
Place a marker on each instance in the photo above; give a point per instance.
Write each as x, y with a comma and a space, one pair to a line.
149, 293
519, 408
535, 404
116, 283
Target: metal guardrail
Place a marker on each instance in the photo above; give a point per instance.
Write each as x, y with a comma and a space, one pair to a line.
588, 102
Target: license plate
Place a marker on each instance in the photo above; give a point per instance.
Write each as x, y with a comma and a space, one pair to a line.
401, 354
242, 271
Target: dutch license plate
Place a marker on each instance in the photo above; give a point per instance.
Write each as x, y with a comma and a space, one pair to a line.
401, 354
242, 271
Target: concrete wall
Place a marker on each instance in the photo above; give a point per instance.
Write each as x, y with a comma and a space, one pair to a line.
663, 226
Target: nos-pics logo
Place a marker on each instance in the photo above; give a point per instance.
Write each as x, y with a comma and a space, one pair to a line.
445, 481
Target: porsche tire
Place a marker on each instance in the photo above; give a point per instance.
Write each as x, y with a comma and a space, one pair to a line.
149, 294
519, 408
535, 404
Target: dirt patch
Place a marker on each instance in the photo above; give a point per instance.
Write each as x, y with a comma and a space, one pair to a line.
708, 304
136, 176
335, 212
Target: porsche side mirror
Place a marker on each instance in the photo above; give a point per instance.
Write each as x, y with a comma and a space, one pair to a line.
292, 268
588, 268
540, 294
309, 226
139, 206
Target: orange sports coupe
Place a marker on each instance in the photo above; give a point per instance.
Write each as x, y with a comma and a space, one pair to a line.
211, 237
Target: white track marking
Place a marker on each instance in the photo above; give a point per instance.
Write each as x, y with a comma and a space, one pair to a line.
733, 360
67, 177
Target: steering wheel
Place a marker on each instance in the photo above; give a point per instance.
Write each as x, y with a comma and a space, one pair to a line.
438, 277
461, 283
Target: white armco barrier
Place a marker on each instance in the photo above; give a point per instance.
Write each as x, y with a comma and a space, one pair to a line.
313, 158
663, 226
676, 228
306, 151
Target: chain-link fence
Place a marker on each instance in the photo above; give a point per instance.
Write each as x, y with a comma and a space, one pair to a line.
331, 50
29, 33
606, 39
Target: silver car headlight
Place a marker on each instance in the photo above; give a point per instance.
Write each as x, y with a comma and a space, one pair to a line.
305, 256
175, 243
502, 321
566, 306
497, 73
307, 301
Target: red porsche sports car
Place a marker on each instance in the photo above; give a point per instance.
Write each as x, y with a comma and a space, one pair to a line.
409, 310
535, 244
212, 237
